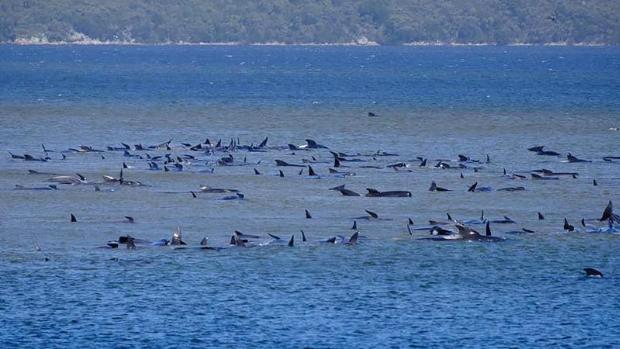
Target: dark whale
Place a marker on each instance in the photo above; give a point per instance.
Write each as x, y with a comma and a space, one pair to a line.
392, 194
591, 272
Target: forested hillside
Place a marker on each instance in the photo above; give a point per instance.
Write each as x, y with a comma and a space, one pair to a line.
312, 21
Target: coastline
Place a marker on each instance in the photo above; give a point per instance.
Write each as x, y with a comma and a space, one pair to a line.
358, 43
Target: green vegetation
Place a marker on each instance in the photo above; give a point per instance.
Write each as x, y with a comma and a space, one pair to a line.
313, 21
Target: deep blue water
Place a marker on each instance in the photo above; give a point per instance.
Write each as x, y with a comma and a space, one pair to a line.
390, 290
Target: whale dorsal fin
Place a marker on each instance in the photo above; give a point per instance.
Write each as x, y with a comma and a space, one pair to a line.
433, 186
311, 171
608, 212
372, 214
291, 242
353, 238
311, 142
263, 143
303, 236
472, 188
372, 191
488, 229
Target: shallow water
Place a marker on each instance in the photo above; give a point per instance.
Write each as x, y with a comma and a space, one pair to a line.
391, 289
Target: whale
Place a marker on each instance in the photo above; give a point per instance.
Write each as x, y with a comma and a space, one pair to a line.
536, 148
73, 180
608, 214
505, 220
34, 172
311, 144
572, 158
593, 273
511, 189
470, 234
286, 164
370, 215
211, 190
204, 245
237, 196
49, 187
539, 150
434, 187
344, 192
513, 175
339, 239
543, 178
522, 231
392, 194
474, 189
312, 174
85, 149
177, 239
340, 174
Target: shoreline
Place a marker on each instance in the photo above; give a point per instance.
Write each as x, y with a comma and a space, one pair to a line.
38, 42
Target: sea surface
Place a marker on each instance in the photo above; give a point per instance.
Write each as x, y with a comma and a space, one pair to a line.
391, 289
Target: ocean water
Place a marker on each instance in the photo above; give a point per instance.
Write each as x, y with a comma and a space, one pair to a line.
390, 290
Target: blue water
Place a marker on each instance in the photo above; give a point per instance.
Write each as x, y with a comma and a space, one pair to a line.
390, 290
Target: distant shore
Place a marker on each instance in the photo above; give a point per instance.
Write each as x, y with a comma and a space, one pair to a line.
359, 43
